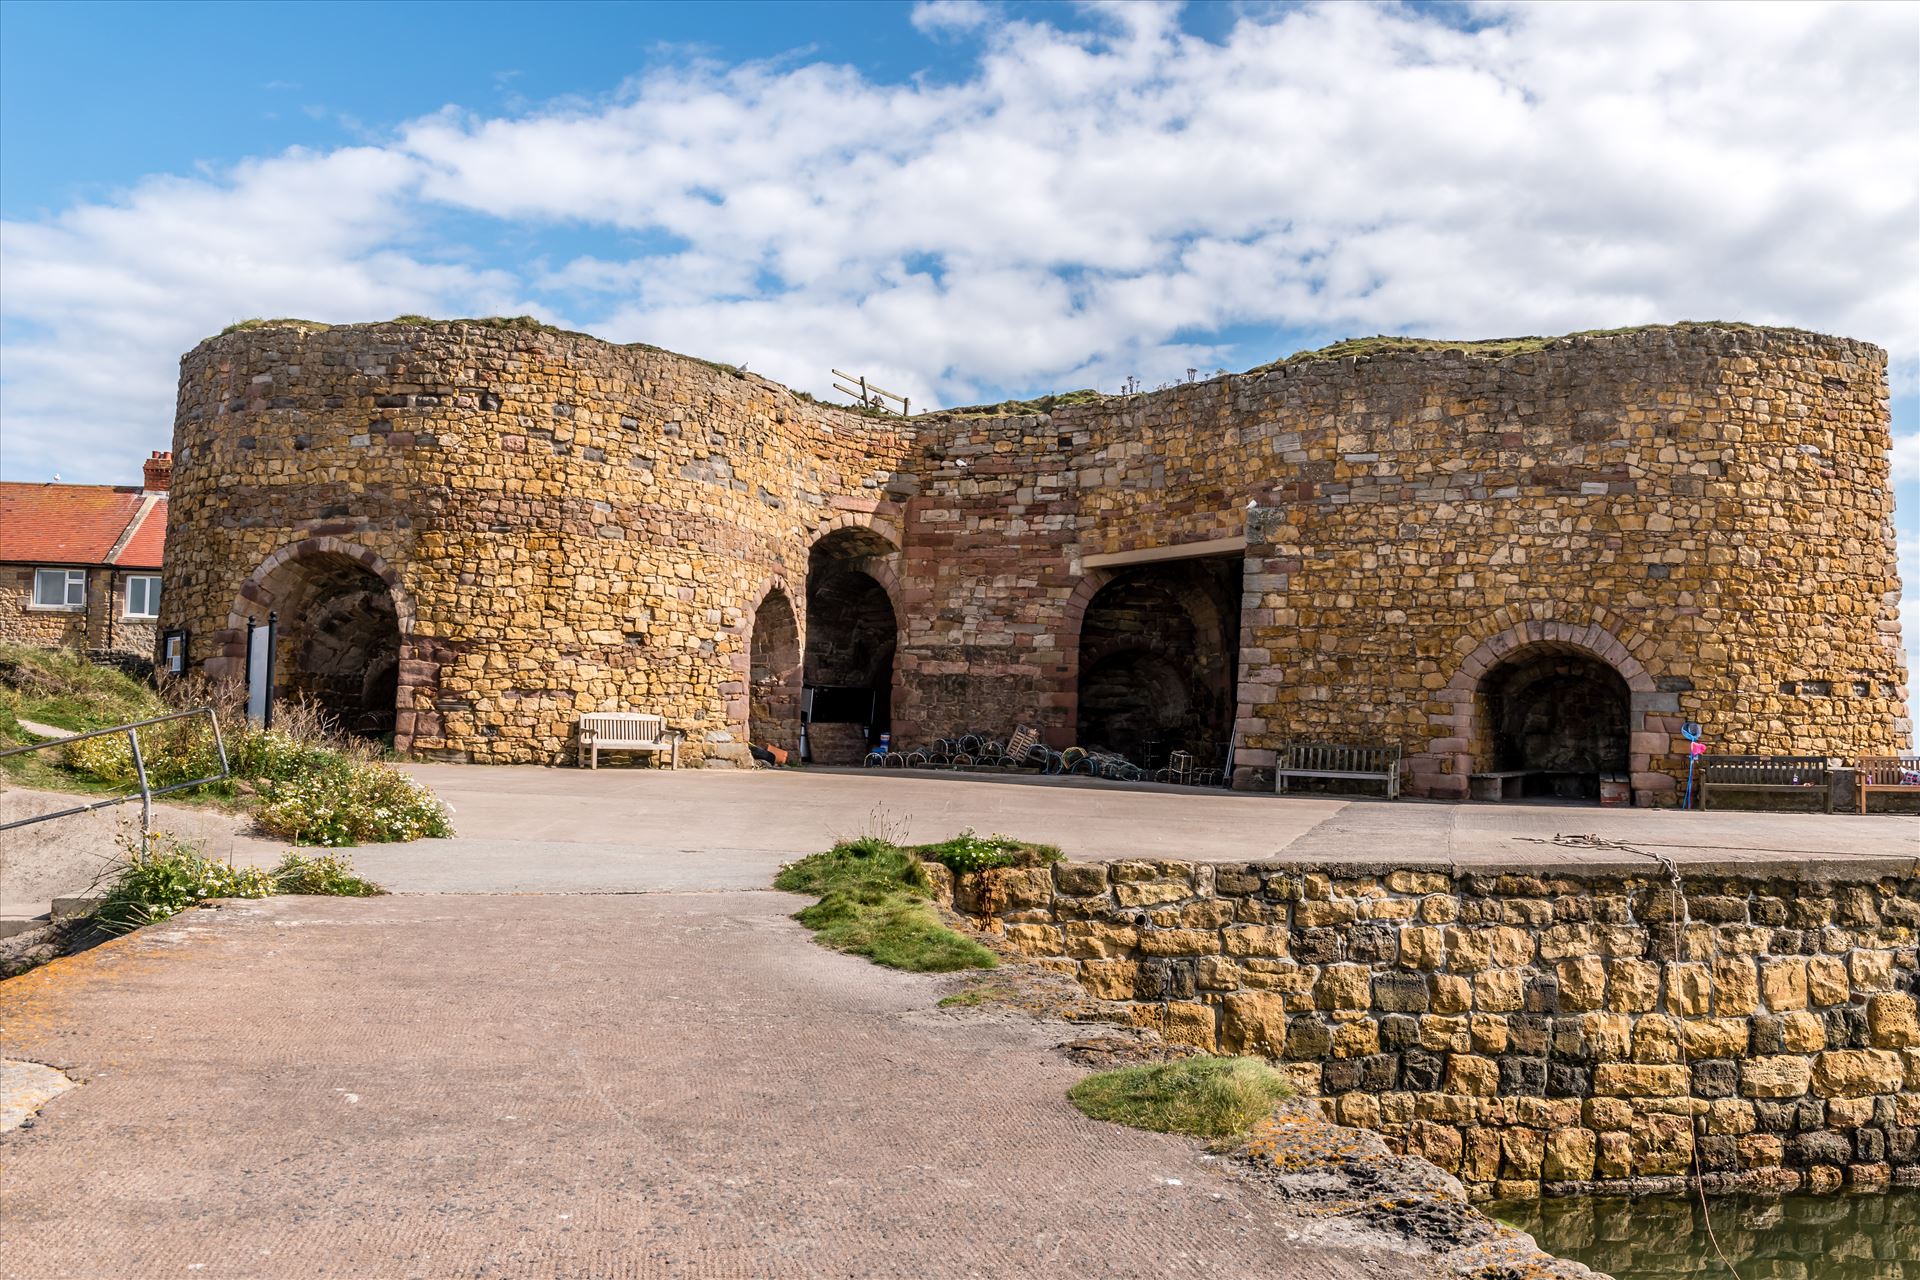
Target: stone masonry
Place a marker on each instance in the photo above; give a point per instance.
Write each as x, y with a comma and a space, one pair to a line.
564, 524
1580, 1030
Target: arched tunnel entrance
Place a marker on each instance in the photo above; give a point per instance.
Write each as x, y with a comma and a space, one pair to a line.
851, 635
339, 640
1159, 649
1559, 718
773, 679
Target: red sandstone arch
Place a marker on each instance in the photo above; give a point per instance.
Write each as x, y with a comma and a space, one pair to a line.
1442, 769
1203, 611
275, 584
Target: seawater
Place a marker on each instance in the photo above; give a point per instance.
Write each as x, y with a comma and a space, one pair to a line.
1845, 1237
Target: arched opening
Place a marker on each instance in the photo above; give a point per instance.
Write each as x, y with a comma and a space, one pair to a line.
1159, 645
851, 635
1557, 720
773, 679
339, 640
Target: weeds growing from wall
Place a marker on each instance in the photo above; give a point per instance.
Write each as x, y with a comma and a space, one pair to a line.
875, 901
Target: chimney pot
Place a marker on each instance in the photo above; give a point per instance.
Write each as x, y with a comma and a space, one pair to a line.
158, 474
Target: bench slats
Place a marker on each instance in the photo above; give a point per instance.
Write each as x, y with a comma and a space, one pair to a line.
626, 731
1338, 760
1899, 773
1765, 773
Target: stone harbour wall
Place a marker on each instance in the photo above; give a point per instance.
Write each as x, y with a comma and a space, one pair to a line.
1703, 512
1577, 1031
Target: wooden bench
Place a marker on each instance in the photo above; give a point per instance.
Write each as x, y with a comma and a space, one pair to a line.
1806, 774
1333, 760
1898, 774
627, 731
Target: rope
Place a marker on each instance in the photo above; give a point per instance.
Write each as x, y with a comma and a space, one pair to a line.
1682, 917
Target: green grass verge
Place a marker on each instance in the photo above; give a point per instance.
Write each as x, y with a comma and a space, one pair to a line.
1490, 348
1203, 1097
61, 689
875, 902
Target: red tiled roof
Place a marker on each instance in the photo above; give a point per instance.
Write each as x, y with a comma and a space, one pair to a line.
149, 539
79, 524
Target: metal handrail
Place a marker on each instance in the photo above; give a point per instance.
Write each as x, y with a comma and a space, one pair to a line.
147, 792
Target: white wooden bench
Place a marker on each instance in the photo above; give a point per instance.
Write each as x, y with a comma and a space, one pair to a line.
627, 731
1333, 760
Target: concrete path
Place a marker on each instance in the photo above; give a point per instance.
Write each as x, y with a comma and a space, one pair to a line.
532, 830
64, 857
617, 1086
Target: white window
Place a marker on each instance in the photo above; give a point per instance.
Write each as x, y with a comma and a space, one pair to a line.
143, 595
60, 588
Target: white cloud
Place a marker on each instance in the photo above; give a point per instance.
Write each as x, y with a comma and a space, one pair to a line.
1906, 458
1077, 205
945, 17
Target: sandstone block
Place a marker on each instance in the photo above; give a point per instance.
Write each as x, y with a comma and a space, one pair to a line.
1449, 993
1736, 987
1255, 940
1633, 986
1087, 939
1109, 979
1583, 983
1344, 986
1148, 893
1783, 984
1080, 879
1853, 1073
1891, 1021
1499, 990
1253, 1023
1715, 1037
1569, 1155
1472, 1075
1802, 1032
1639, 1080
1827, 981
1034, 939
1178, 942
1422, 947
1775, 1076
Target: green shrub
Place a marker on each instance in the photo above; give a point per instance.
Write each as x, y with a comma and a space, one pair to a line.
163, 876
351, 803
1202, 1096
327, 874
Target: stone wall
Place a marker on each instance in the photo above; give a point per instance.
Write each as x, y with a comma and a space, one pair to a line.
1526, 1031
567, 524
1706, 511
563, 524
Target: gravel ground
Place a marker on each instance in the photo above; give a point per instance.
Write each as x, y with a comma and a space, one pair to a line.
591, 1086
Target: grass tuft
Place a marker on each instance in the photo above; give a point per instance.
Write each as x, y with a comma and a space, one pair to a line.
329, 875
1487, 348
875, 901
281, 322
1203, 1097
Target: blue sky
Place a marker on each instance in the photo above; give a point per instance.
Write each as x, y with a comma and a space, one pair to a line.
962, 200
